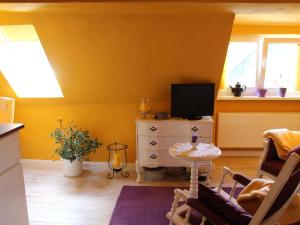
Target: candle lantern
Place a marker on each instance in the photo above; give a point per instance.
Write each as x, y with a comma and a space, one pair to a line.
144, 107
117, 159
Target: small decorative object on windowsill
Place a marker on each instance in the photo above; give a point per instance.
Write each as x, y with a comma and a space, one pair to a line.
117, 159
261, 92
282, 92
144, 107
238, 89
282, 83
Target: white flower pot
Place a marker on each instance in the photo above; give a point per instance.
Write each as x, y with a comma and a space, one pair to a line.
72, 169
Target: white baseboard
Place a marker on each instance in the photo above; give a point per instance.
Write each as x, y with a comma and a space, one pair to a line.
130, 166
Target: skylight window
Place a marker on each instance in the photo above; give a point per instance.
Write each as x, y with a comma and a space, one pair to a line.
24, 63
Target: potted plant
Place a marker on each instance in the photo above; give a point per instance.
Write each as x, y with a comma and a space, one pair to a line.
74, 145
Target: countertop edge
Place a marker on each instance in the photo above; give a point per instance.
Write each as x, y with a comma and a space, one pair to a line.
8, 128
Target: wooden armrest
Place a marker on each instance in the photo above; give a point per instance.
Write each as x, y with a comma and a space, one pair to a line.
241, 179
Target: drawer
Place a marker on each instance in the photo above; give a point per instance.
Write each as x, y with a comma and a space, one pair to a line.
159, 143
9, 151
148, 128
160, 158
163, 143
202, 130
174, 128
13, 209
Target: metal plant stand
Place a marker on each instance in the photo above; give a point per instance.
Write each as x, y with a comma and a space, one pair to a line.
117, 159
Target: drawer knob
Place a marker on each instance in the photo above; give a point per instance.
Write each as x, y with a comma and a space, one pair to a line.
153, 143
153, 128
194, 129
153, 156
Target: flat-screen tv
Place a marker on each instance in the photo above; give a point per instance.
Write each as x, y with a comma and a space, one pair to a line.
192, 101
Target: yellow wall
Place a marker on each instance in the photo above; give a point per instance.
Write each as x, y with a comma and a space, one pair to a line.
109, 122
105, 63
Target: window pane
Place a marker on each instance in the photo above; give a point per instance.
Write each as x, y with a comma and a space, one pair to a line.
281, 65
241, 63
25, 66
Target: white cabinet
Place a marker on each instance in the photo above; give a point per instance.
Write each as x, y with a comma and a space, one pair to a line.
9, 151
155, 137
13, 208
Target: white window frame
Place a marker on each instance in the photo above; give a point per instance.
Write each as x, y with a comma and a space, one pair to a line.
262, 51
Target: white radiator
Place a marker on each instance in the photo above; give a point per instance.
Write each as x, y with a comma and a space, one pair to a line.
244, 130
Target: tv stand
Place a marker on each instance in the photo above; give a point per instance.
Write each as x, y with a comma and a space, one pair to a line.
194, 118
155, 137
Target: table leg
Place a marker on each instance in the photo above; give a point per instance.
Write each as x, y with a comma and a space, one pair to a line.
194, 179
209, 170
138, 172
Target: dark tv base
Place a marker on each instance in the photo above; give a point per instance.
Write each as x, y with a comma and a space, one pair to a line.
194, 117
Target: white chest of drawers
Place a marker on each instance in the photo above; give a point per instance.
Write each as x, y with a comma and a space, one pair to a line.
155, 137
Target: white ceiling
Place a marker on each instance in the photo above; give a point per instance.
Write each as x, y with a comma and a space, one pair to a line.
268, 19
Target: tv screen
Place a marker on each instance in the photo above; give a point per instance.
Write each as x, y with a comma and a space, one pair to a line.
192, 101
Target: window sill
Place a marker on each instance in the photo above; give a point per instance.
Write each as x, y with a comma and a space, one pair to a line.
250, 95
256, 98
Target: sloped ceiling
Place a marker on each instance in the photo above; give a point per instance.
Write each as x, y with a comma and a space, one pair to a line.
119, 57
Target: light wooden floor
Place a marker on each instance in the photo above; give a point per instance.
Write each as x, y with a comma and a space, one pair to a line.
89, 199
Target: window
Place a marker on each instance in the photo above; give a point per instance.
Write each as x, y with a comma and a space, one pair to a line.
281, 65
24, 63
263, 62
241, 63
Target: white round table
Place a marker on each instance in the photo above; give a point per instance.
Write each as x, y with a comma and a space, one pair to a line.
195, 154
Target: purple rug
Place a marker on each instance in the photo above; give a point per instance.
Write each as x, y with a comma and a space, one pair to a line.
146, 205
